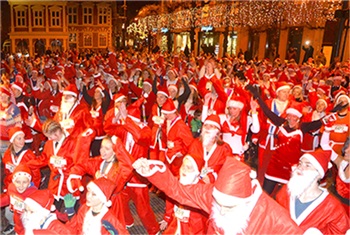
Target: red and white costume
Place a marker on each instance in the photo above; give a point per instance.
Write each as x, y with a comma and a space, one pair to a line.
324, 213
342, 184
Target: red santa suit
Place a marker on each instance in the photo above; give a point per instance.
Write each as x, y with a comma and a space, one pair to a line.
324, 213
340, 131
49, 101
311, 140
118, 171
266, 217
136, 137
214, 159
85, 223
342, 185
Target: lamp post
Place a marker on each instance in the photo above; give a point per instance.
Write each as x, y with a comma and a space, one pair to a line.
124, 24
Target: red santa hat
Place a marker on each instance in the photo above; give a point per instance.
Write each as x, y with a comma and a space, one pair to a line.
173, 86
197, 162
14, 132
103, 188
341, 95
295, 109
282, 86
148, 81
41, 200
134, 111
18, 86
5, 90
337, 77
190, 70
234, 184
71, 89
163, 90
320, 159
236, 102
322, 101
99, 89
213, 120
168, 107
118, 97
193, 85
174, 71
323, 88
22, 170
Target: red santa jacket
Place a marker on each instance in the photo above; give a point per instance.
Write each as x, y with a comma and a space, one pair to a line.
53, 226
151, 98
213, 160
343, 185
179, 139
325, 213
16, 201
159, 136
10, 162
49, 102
267, 217
83, 224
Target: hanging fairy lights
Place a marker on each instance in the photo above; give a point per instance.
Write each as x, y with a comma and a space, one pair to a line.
250, 13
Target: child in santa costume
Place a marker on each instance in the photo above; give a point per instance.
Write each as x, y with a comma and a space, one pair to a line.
38, 218
94, 217
17, 191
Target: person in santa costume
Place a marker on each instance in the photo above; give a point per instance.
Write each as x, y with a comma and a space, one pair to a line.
113, 164
236, 203
236, 123
18, 190
73, 117
268, 129
94, 217
193, 103
289, 137
116, 115
308, 204
38, 217
18, 153
10, 116
179, 137
211, 148
136, 138
180, 219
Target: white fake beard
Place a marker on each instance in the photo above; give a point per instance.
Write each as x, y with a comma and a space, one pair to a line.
208, 136
232, 222
66, 105
33, 221
190, 178
299, 183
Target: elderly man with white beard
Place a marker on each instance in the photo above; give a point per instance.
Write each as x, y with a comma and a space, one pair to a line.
235, 202
308, 204
38, 217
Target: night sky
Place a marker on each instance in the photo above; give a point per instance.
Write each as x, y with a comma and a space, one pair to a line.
134, 6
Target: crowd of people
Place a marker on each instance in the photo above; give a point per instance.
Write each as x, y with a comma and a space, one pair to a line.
236, 146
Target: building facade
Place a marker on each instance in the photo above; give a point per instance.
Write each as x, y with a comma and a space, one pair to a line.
39, 26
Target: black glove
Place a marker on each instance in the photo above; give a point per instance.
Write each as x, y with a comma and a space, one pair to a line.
338, 107
109, 227
253, 90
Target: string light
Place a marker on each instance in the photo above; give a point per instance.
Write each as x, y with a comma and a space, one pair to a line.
255, 14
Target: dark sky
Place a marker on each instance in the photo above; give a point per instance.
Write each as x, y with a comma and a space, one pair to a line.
134, 6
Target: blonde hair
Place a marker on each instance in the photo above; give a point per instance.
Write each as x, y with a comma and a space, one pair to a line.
51, 126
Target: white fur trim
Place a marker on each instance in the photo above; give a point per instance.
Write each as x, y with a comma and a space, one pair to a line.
282, 88
212, 123
315, 163
15, 135
120, 98
159, 166
235, 104
70, 93
228, 199
168, 112
114, 139
99, 193
21, 173
17, 87
312, 231
134, 118
294, 112
342, 95
69, 184
163, 93
34, 205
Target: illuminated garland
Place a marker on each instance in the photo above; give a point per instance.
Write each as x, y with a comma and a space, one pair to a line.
250, 13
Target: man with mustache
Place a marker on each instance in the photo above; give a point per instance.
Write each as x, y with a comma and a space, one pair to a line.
308, 204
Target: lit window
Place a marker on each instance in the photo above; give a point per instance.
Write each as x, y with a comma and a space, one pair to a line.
72, 37
88, 40
87, 15
72, 15
103, 40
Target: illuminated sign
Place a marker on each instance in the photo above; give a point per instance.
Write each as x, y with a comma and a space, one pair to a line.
207, 28
164, 30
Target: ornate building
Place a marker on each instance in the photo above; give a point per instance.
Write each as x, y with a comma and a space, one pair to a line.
38, 26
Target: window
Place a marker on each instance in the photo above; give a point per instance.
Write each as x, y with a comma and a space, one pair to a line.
55, 18
21, 18
72, 37
88, 40
103, 40
72, 15
38, 18
87, 15
102, 15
